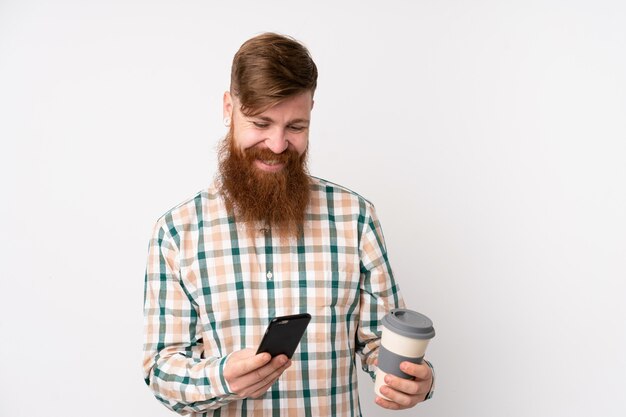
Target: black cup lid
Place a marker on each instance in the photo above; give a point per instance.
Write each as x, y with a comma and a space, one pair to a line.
409, 323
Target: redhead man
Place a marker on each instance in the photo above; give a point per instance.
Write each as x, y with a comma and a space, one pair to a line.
267, 239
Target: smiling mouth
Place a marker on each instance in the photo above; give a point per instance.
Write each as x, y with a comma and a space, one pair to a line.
270, 165
270, 162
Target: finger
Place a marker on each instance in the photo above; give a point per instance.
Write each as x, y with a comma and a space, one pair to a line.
252, 381
389, 405
407, 386
419, 371
400, 398
262, 386
263, 389
266, 370
244, 366
269, 372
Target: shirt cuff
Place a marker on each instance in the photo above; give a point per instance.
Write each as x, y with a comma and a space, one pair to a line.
219, 385
432, 386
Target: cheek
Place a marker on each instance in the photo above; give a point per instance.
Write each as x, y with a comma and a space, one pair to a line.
300, 143
248, 138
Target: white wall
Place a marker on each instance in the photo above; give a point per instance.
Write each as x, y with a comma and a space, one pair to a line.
490, 135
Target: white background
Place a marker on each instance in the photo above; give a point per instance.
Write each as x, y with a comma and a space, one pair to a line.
489, 134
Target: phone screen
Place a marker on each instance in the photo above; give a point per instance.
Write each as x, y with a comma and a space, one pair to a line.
283, 334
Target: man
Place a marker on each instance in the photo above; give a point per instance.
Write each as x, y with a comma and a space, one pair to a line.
266, 240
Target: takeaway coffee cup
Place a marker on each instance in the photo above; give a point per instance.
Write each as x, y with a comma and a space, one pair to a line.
406, 334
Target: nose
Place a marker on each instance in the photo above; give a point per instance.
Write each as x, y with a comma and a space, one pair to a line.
277, 141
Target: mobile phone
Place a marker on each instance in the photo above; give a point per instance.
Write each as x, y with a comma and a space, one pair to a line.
283, 334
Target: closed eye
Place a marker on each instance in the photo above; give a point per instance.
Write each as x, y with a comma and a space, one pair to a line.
260, 125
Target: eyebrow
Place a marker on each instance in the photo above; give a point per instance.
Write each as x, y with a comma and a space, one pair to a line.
269, 119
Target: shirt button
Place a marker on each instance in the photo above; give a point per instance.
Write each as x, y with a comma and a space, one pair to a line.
269, 275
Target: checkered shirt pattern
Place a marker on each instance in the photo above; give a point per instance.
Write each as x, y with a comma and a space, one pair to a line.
211, 288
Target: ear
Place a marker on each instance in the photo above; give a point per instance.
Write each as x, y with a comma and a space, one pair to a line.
227, 107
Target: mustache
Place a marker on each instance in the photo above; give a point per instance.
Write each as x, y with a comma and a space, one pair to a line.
286, 157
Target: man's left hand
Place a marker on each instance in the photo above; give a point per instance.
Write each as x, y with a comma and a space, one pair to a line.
406, 393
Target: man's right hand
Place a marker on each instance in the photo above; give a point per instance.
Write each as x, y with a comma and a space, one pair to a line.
251, 375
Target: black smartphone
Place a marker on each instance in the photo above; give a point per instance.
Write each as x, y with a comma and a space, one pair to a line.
283, 334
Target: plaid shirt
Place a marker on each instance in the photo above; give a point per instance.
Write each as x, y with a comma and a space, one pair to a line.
211, 288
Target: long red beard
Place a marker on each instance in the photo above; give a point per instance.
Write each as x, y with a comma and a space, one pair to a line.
278, 200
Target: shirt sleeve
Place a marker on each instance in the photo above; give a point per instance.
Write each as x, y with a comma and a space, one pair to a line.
174, 365
378, 290
379, 293
431, 392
